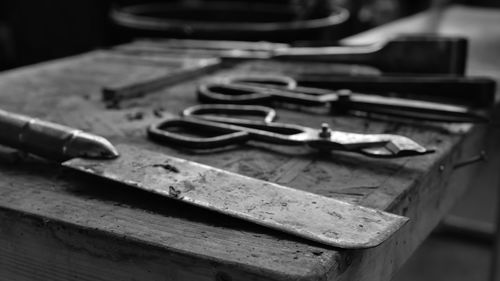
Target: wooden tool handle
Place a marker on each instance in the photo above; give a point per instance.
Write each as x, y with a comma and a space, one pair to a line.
50, 140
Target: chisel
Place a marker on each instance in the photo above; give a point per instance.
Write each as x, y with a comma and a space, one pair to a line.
303, 214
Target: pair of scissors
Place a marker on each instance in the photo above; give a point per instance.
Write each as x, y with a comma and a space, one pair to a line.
265, 89
222, 120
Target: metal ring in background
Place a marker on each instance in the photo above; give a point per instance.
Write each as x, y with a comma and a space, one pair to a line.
226, 20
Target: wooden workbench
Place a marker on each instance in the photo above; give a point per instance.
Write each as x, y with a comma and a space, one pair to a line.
58, 225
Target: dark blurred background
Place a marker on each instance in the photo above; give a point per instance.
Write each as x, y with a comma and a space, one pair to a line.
33, 31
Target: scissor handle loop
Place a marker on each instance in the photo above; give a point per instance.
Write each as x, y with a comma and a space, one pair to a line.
160, 133
243, 89
217, 92
274, 80
206, 111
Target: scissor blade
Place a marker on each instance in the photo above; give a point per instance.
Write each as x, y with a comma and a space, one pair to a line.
414, 109
375, 145
307, 215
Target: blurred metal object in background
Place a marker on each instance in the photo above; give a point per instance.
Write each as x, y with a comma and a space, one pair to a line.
41, 30
234, 20
366, 14
408, 54
6, 42
44, 30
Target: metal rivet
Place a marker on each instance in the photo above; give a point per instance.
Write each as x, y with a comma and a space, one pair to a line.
344, 93
325, 131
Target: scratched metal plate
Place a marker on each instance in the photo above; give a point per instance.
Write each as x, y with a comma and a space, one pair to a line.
297, 212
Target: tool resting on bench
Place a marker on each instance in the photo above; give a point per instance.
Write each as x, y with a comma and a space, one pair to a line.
232, 130
264, 89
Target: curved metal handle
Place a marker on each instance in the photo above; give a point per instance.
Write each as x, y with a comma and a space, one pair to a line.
217, 92
231, 130
207, 111
281, 81
164, 132
243, 89
254, 93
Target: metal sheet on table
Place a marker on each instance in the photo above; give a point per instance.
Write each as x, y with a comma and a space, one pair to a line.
311, 216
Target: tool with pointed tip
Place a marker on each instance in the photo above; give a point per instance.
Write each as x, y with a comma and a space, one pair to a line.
51, 140
303, 214
237, 130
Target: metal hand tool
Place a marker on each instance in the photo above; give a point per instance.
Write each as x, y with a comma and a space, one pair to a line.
307, 215
472, 91
403, 54
51, 140
409, 54
265, 89
237, 130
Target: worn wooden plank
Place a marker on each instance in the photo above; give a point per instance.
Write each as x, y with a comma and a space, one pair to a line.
65, 227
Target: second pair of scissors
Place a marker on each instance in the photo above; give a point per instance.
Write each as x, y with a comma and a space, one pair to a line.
263, 89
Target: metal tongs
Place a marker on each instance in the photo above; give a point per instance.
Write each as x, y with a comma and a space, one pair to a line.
214, 120
263, 89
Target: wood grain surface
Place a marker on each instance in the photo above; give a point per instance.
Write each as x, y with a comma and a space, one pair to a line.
59, 225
